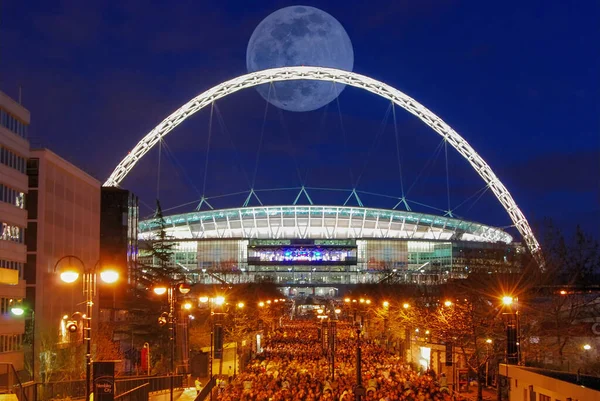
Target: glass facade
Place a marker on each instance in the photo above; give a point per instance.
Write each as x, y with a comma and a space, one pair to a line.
222, 256
382, 255
295, 263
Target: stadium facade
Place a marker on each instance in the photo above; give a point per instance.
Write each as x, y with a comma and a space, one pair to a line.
310, 249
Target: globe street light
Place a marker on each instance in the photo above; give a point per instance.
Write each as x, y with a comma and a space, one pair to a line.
69, 273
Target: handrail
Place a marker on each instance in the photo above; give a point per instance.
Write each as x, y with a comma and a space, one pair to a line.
19, 384
206, 390
132, 390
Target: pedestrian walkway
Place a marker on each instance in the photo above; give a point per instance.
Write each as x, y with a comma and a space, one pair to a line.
489, 394
189, 394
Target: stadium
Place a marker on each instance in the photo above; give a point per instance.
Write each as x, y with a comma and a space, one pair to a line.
321, 249
318, 249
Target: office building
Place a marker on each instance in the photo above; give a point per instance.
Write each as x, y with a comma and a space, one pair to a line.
14, 151
63, 229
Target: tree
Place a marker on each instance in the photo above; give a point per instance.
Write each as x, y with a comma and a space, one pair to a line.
106, 348
563, 300
467, 314
467, 322
156, 255
60, 358
156, 268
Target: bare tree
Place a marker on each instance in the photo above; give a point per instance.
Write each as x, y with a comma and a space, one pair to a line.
564, 298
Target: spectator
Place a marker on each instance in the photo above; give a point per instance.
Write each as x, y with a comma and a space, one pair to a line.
198, 385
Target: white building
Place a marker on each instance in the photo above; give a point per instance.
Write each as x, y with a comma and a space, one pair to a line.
14, 152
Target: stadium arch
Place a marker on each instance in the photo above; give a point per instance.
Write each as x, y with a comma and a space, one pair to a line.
347, 78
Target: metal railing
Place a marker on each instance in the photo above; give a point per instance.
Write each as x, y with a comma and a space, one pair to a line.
206, 390
139, 393
155, 383
61, 389
10, 382
76, 388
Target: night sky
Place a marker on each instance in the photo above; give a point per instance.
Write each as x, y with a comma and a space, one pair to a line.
519, 81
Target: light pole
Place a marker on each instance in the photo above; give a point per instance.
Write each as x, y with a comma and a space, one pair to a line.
333, 340
19, 310
359, 390
70, 274
512, 331
183, 288
488, 341
219, 301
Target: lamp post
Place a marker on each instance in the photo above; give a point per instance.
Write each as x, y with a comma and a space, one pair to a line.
359, 390
218, 301
333, 340
70, 274
19, 310
512, 331
488, 341
170, 290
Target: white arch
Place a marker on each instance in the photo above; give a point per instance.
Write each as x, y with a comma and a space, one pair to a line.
347, 78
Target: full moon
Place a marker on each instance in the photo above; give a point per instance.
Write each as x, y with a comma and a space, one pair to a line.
299, 36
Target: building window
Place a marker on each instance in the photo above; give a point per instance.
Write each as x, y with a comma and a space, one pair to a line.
11, 342
9, 232
12, 196
6, 304
12, 265
13, 124
12, 160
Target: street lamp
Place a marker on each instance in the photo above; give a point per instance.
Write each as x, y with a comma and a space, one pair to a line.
512, 330
218, 301
18, 309
489, 342
359, 390
183, 288
69, 273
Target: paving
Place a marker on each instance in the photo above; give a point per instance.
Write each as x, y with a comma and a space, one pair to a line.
489, 394
189, 394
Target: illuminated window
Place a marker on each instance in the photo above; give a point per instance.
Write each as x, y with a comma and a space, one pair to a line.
12, 233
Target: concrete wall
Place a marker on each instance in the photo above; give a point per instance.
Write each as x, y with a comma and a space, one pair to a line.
523, 382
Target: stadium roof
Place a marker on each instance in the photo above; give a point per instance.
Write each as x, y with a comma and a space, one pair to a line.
321, 222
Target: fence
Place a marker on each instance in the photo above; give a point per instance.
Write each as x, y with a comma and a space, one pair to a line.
10, 382
139, 393
131, 385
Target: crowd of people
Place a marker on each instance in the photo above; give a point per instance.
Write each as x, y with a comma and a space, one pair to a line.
294, 367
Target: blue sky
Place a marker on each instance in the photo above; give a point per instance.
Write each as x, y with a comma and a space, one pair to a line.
518, 80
